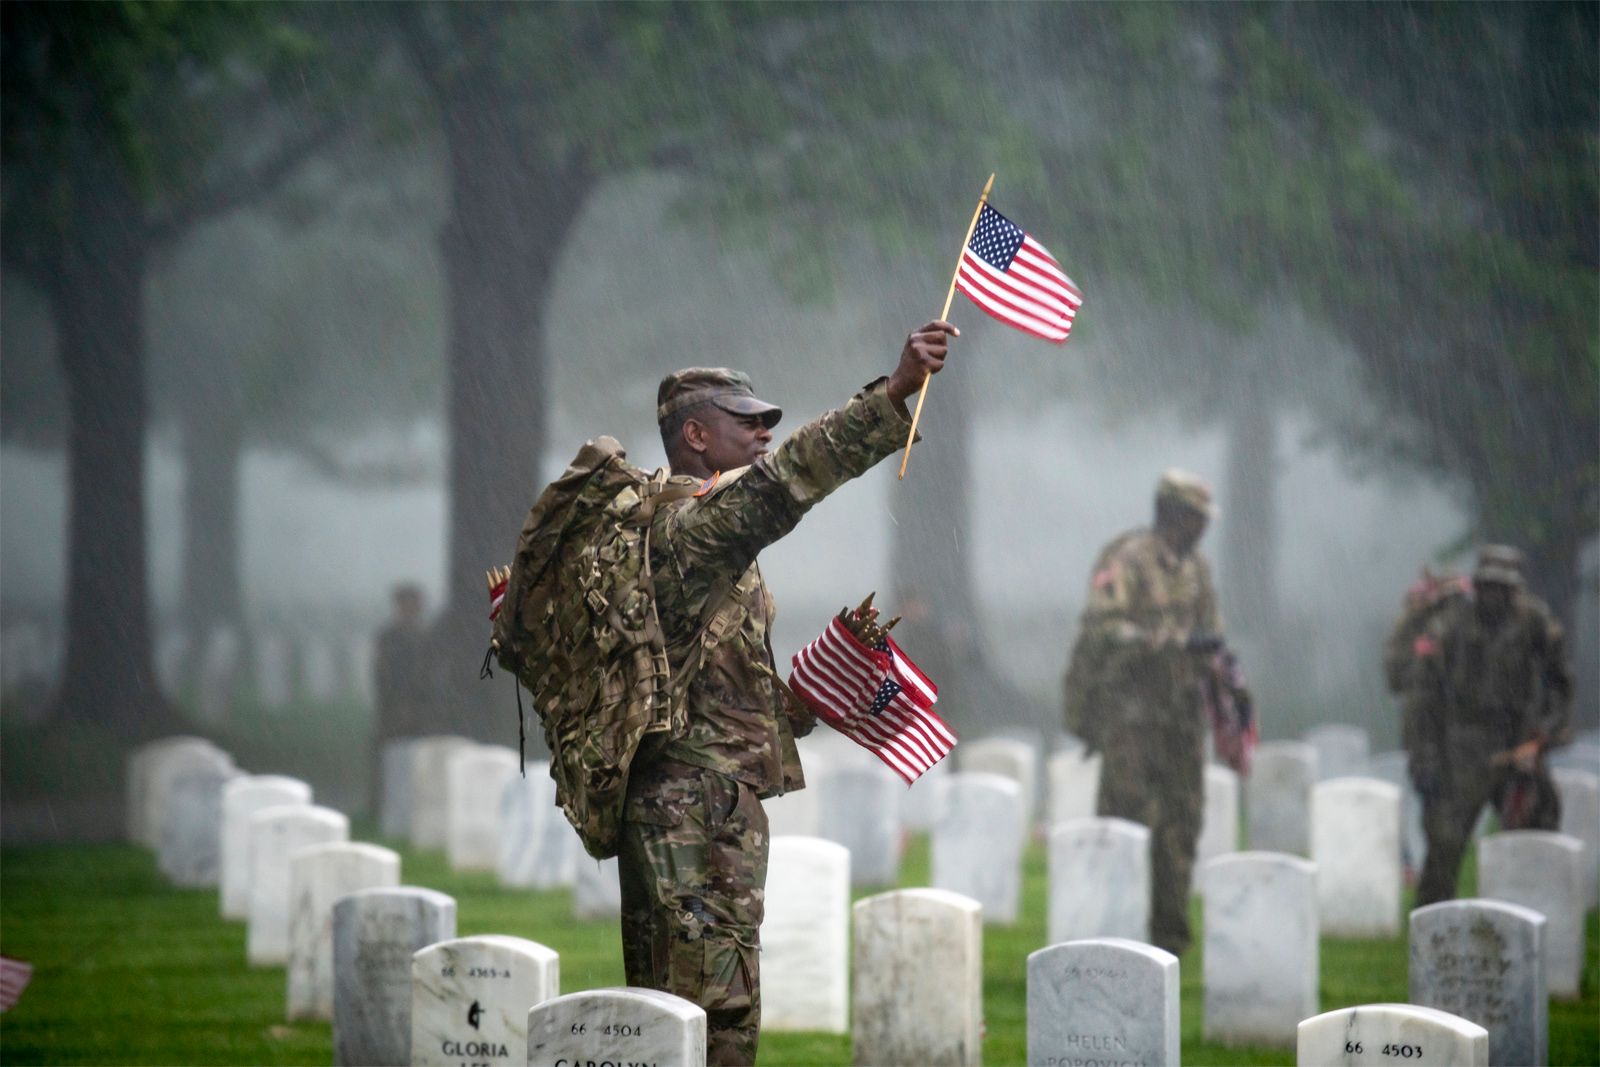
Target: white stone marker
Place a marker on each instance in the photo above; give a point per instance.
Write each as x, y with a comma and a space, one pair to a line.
1008, 756
597, 893
318, 876
617, 1026
394, 799
1580, 818
1342, 750
190, 836
1355, 841
860, 809
1104, 1000
242, 798
1580, 756
1219, 827
476, 777
1261, 950
538, 848
1278, 797
275, 834
918, 972
142, 766
805, 937
794, 814
1394, 767
923, 804
430, 807
375, 934
1539, 869
1099, 880
977, 846
1484, 960
470, 999
1391, 1033
1074, 785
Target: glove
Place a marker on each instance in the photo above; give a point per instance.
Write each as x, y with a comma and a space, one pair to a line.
1203, 643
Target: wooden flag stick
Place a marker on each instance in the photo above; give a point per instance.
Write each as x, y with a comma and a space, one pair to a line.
916, 416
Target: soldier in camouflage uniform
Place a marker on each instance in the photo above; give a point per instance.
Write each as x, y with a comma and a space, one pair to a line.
1487, 693
1145, 640
693, 856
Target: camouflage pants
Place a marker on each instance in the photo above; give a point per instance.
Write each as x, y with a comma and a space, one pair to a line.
1449, 814
693, 865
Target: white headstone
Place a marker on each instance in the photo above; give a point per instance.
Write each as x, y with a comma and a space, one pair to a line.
1104, 1000
1394, 767
1219, 828
1391, 1033
1278, 797
394, 799
476, 775
242, 798
1355, 841
918, 974
617, 1026
1484, 960
1539, 869
924, 803
219, 671
1580, 818
794, 814
470, 999
430, 807
149, 770
1074, 784
1008, 756
597, 890
319, 670
274, 671
977, 846
375, 934
318, 876
1342, 750
538, 847
190, 838
1261, 949
1580, 756
805, 937
860, 809
275, 834
1099, 880
359, 662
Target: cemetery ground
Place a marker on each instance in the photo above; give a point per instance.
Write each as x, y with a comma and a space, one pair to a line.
131, 970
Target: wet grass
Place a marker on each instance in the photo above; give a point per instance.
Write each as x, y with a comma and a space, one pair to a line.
129, 970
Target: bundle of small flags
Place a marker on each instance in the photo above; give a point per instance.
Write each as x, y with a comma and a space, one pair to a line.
862, 684
498, 579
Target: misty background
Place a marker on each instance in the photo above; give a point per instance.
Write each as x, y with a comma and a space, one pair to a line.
301, 303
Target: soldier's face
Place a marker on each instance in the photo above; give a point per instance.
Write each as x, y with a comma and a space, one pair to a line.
1493, 600
1182, 528
726, 441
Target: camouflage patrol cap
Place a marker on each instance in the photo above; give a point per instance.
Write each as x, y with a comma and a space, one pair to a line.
1501, 564
729, 389
1187, 489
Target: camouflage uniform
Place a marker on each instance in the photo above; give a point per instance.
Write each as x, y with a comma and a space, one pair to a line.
1479, 689
1132, 693
694, 843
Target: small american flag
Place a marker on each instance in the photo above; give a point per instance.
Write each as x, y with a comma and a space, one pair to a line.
876, 697
1016, 279
14, 977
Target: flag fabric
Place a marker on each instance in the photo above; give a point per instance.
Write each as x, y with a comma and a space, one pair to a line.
497, 597
876, 697
1228, 703
1016, 279
14, 977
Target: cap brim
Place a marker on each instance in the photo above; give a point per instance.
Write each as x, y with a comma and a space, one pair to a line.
749, 405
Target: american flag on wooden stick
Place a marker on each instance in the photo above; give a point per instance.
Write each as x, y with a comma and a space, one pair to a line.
875, 696
1016, 279
14, 977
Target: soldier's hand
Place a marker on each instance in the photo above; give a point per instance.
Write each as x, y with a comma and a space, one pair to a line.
1203, 643
923, 354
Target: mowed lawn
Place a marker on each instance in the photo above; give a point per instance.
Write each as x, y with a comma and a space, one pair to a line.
130, 970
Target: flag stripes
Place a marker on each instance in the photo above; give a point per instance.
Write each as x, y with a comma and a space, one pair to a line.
1015, 279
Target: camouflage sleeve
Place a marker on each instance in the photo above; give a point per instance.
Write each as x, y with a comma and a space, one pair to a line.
1209, 615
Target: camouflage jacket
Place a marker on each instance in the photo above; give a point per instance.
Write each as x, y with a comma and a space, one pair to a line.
1144, 603
741, 720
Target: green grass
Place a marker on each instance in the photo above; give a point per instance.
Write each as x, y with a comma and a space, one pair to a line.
130, 970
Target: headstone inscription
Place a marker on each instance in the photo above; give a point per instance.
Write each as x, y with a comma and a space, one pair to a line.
538, 848
1099, 880
1010, 757
470, 999
1484, 960
1342, 750
190, 835
918, 979
860, 809
242, 798
617, 1026
430, 806
1074, 777
1261, 950
1105, 1000
1278, 797
1219, 826
318, 876
1355, 841
1391, 1033
1539, 869
977, 845
1580, 818
275, 834
597, 892
805, 937
375, 934
477, 775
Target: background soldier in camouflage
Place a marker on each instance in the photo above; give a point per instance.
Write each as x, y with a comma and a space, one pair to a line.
693, 855
1487, 693
1132, 689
